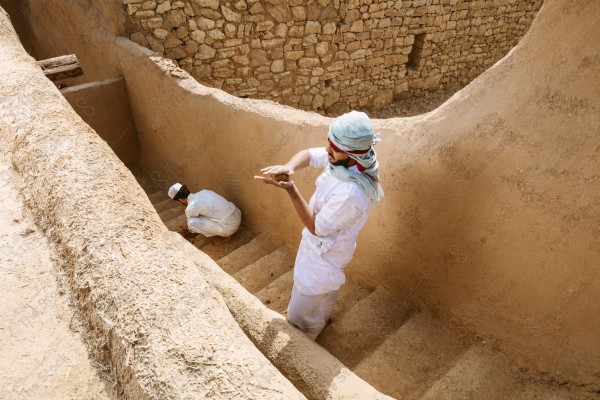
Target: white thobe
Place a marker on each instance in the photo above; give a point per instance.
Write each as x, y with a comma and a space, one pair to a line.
341, 208
211, 215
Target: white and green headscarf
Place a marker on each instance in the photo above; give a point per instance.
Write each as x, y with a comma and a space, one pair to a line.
353, 133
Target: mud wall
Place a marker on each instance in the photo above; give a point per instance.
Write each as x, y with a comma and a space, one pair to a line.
329, 55
152, 318
104, 106
491, 211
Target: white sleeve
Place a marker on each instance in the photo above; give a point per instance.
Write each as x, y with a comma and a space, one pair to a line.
318, 157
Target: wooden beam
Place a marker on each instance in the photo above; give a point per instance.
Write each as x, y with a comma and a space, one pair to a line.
62, 67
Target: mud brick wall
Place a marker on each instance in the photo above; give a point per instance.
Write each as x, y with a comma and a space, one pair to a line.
330, 55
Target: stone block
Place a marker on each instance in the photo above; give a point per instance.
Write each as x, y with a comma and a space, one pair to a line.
294, 54
191, 47
181, 32
299, 13
223, 72
271, 43
213, 4
266, 85
395, 59
161, 34
241, 60
351, 16
280, 13
205, 52
277, 66
210, 13
233, 43
198, 36
231, 15
175, 53
172, 42
329, 28
226, 52
322, 48
176, 18
258, 58
144, 14
357, 26
149, 5
257, 8
204, 23
163, 7
312, 27
151, 23
307, 62
216, 34
281, 30
264, 26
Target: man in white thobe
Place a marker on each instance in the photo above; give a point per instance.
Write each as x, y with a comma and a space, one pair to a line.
346, 191
207, 213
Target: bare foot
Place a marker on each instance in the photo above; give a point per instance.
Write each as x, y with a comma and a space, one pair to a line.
220, 240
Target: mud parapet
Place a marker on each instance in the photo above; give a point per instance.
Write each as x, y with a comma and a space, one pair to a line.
153, 318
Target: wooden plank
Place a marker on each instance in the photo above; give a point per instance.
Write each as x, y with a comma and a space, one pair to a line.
61, 67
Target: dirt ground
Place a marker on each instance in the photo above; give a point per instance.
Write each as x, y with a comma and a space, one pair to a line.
43, 355
415, 103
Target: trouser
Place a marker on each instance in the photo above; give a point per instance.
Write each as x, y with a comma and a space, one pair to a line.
310, 313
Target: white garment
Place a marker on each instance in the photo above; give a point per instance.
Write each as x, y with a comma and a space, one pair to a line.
211, 215
342, 208
310, 313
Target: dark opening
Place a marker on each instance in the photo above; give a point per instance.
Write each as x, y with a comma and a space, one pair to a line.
414, 58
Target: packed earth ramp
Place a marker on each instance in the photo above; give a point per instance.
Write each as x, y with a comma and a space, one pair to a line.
490, 222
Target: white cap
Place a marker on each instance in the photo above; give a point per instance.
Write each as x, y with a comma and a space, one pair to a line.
173, 190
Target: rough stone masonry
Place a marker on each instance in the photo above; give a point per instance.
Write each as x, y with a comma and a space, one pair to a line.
330, 55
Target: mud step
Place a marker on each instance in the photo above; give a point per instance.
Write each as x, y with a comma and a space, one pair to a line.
240, 238
350, 294
245, 255
412, 358
175, 211
266, 269
485, 373
175, 223
158, 196
364, 327
164, 204
276, 295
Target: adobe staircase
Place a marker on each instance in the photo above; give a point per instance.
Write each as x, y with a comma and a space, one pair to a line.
401, 352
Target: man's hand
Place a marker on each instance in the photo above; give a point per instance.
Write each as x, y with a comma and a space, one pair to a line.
281, 184
278, 169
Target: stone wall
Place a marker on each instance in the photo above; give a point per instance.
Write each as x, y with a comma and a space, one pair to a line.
330, 55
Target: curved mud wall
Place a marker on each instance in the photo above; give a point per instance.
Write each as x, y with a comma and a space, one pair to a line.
328, 55
491, 212
153, 319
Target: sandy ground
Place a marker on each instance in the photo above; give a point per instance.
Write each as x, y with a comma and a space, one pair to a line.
419, 102
42, 355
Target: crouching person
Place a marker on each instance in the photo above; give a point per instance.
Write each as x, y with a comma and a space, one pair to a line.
207, 213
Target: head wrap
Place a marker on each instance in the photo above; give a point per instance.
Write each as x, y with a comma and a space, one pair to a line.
353, 133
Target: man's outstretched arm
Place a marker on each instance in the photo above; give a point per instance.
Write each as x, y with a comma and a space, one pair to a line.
306, 214
298, 161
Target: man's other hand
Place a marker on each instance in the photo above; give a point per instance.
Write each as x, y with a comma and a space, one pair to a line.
270, 181
277, 169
